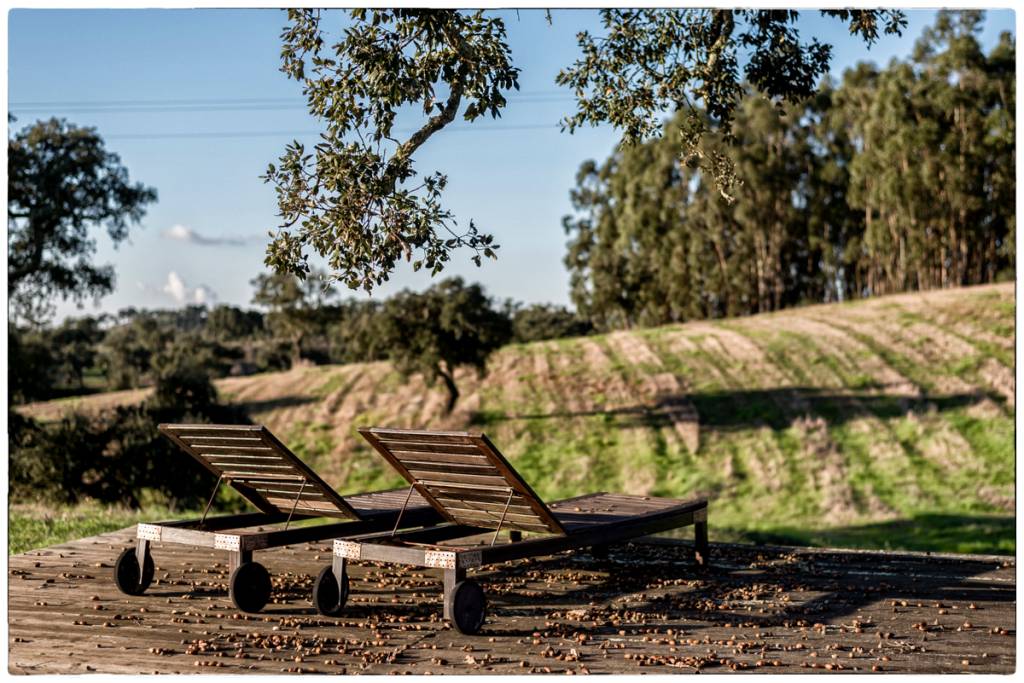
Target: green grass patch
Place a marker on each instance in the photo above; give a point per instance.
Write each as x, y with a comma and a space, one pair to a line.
980, 534
38, 526
337, 379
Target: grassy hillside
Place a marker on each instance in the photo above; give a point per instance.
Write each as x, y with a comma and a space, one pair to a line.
888, 422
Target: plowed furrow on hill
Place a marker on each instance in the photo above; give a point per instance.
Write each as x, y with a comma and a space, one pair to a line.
938, 461
344, 379
824, 464
924, 366
1000, 379
664, 396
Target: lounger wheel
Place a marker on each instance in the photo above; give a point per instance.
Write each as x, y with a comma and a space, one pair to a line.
599, 552
249, 587
329, 597
467, 606
126, 572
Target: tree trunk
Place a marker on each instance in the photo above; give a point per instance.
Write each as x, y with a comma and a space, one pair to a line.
297, 349
448, 377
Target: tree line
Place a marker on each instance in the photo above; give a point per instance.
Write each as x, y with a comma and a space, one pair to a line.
894, 179
448, 325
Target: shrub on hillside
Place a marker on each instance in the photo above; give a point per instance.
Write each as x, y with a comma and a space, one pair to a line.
118, 456
32, 366
545, 321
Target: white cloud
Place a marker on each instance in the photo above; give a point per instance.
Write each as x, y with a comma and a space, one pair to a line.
183, 233
204, 295
182, 294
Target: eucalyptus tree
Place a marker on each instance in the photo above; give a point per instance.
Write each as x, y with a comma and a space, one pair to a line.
895, 179
931, 174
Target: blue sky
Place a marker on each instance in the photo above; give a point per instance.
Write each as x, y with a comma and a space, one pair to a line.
205, 141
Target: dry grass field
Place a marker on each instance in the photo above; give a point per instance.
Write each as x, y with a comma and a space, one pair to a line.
882, 423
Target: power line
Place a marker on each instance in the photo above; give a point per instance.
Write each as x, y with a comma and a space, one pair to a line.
143, 102
230, 104
298, 133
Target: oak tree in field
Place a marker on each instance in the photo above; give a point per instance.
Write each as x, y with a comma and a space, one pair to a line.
127, 351
357, 197
75, 341
434, 332
63, 186
296, 306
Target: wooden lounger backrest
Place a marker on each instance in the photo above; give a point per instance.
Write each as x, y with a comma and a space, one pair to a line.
259, 467
465, 478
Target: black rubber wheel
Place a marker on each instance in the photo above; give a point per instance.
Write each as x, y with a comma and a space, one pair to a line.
599, 552
328, 597
126, 572
468, 607
249, 587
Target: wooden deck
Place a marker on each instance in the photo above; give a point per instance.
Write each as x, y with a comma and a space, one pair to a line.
645, 610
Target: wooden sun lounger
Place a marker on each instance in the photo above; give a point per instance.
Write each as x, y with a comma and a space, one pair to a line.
284, 490
468, 482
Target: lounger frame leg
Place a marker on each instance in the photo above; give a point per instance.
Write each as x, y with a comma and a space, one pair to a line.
451, 578
236, 558
700, 538
515, 536
141, 550
338, 569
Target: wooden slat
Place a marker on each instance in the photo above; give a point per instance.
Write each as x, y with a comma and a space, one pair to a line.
292, 485
286, 504
277, 492
183, 432
241, 457
475, 494
533, 527
455, 468
272, 466
224, 441
429, 483
237, 451
251, 477
414, 436
441, 456
454, 504
416, 447
495, 515
442, 478
242, 460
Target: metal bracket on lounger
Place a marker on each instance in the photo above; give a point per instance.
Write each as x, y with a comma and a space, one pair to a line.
402, 511
210, 502
348, 550
448, 559
503, 513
